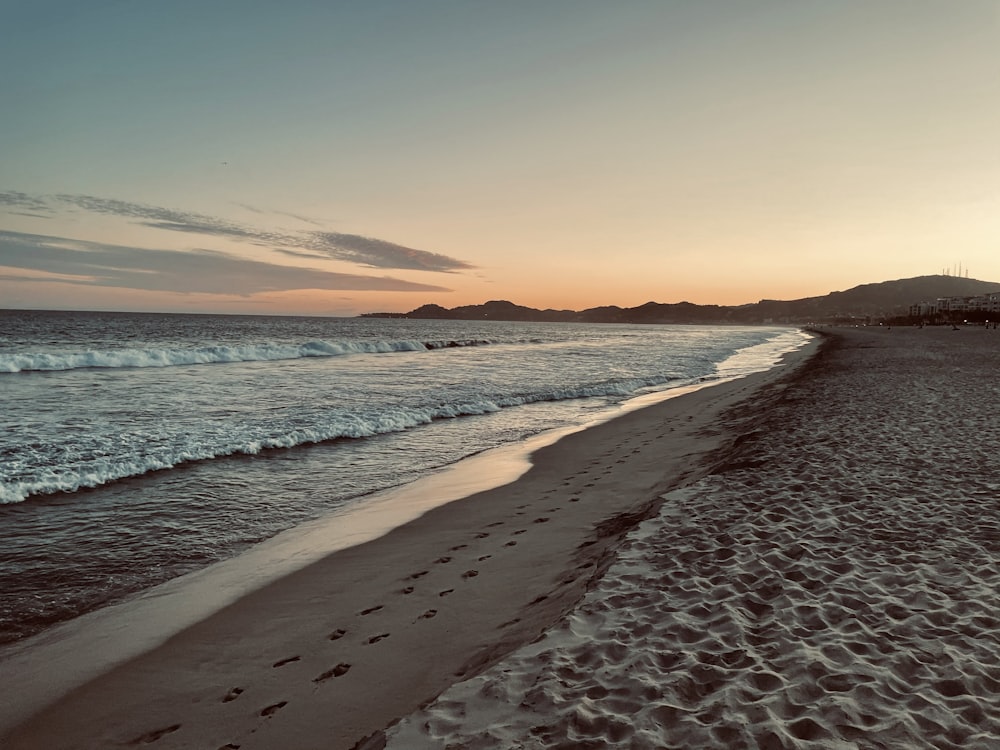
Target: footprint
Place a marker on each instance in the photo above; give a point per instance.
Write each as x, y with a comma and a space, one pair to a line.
509, 623
283, 662
442, 560
415, 576
538, 599
428, 614
485, 557
230, 746
407, 590
371, 609
457, 547
541, 519
273, 708
470, 574
574, 499
519, 531
445, 592
511, 543
553, 510
156, 734
337, 634
377, 638
337, 671
481, 535
233, 694
491, 525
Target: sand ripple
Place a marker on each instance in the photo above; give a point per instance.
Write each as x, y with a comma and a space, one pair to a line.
836, 584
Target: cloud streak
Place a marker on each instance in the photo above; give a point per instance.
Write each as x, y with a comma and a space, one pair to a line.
375, 253
351, 248
33, 203
200, 271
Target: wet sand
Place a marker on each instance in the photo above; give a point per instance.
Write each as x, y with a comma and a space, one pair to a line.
332, 654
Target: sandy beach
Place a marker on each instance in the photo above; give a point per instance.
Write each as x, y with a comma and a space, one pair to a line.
803, 558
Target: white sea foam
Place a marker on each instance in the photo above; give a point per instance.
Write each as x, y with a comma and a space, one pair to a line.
93, 472
114, 358
135, 451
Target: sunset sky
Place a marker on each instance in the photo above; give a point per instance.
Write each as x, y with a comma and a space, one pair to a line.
336, 158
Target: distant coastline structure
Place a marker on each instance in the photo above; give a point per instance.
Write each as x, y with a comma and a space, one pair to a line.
976, 305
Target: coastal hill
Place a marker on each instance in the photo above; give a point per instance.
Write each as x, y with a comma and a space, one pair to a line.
881, 301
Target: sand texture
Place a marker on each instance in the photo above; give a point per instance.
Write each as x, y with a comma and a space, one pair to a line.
332, 654
835, 583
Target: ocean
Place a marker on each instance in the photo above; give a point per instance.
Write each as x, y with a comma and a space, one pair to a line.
136, 448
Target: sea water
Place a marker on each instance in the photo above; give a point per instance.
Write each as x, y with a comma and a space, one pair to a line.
135, 448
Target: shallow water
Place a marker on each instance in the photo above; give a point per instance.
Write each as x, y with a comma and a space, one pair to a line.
168, 442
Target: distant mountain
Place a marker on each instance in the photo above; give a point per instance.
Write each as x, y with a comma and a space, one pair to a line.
885, 300
494, 310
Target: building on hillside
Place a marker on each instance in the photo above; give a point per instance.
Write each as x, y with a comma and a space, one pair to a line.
981, 306
923, 310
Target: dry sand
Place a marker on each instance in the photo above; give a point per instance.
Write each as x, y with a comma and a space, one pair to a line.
834, 583
337, 651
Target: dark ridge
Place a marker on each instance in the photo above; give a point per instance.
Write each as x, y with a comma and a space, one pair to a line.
885, 301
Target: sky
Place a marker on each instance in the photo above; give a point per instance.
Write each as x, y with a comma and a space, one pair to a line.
337, 158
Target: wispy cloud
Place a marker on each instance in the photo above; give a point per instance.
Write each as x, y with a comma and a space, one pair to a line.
374, 253
298, 217
204, 271
33, 203
352, 248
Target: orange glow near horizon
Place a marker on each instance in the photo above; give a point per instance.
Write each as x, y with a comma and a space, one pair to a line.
715, 153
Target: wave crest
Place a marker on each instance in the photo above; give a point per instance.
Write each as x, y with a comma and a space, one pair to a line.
97, 472
117, 358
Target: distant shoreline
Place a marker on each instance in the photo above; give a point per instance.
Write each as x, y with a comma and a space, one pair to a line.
888, 302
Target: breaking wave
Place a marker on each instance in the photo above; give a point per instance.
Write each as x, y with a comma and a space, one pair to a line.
115, 358
84, 473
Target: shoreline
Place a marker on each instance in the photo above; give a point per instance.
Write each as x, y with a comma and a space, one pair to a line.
457, 596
